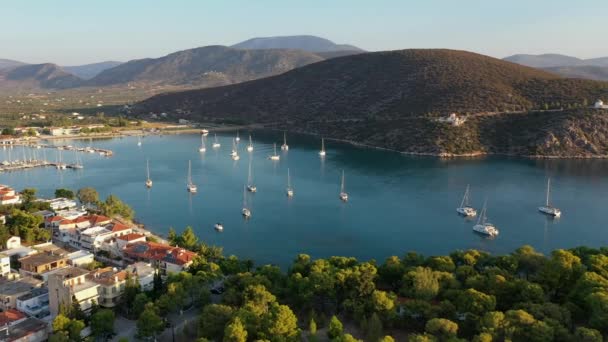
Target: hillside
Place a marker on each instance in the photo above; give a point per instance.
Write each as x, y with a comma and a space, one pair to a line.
9, 63
387, 99
582, 71
45, 75
206, 67
88, 71
303, 42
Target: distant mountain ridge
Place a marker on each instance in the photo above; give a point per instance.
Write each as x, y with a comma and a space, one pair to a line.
301, 42
88, 71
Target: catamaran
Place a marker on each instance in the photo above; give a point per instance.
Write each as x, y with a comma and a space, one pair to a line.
250, 146
245, 211
483, 227
250, 186
465, 209
202, 148
216, 144
275, 156
237, 136
322, 152
343, 194
548, 209
191, 187
148, 179
289, 189
284, 147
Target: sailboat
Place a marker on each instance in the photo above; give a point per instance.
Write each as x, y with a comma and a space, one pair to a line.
234, 154
250, 146
250, 186
284, 147
289, 189
245, 211
237, 136
191, 187
148, 179
216, 144
548, 209
483, 227
322, 152
202, 148
343, 194
138, 140
465, 209
275, 156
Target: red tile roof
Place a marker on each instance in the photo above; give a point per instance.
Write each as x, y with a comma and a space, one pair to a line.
160, 252
10, 316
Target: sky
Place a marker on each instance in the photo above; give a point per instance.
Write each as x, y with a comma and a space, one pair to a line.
69, 32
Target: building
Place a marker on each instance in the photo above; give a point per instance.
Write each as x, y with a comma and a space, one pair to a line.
11, 290
42, 263
599, 104
166, 258
70, 284
17, 329
35, 303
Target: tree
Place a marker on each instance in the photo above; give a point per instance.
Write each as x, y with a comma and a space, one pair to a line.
102, 323
442, 328
235, 332
335, 328
65, 193
149, 323
189, 239
213, 320
87, 195
374, 328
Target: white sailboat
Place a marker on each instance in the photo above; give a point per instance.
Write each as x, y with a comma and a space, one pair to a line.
216, 144
284, 147
322, 152
245, 211
148, 179
465, 209
250, 186
289, 189
483, 227
250, 146
275, 156
234, 154
191, 187
237, 136
202, 148
343, 194
548, 209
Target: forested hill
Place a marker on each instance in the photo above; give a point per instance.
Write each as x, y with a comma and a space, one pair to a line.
386, 98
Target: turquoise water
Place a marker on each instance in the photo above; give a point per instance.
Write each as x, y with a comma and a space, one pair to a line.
397, 203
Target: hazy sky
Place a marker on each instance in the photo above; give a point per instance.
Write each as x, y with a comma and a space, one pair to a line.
74, 32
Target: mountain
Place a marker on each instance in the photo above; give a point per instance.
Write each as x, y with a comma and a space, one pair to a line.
88, 71
9, 63
582, 71
305, 43
545, 60
45, 75
205, 67
392, 99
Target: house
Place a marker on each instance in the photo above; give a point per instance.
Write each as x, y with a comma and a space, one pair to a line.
111, 285
42, 263
599, 104
70, 284
11, 290
167, 259
28, 330
35, 303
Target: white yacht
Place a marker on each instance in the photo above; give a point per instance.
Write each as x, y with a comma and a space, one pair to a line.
275, 156
219, 227
322, 152
250, 186
465, 209
245, 211
548, 209
216, 144
203, 148
483, 227
343, 194
289, 189
237, 136
250, 146
284, 147
148, 179
191, 187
